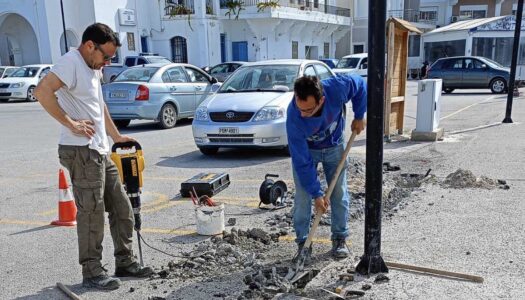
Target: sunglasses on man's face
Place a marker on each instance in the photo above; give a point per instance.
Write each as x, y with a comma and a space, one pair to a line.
105, 56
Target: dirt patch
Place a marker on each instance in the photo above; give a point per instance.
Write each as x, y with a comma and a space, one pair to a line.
462, 179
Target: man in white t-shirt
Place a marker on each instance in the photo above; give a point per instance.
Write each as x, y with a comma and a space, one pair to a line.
83, 149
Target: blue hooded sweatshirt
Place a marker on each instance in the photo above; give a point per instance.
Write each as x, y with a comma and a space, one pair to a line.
322, 131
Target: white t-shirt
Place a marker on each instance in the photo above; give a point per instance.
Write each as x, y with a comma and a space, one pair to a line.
81, 98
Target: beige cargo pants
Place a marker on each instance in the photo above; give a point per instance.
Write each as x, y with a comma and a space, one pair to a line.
97, 188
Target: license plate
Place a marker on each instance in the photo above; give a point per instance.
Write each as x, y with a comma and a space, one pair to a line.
3, 91
229, 130
118, 94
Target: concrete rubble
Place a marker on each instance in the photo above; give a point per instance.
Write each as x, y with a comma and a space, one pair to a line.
248, 252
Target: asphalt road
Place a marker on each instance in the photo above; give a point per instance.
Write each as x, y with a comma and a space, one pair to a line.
34, 256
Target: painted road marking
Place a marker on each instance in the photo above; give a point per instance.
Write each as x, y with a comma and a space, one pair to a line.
155, 230
467, 107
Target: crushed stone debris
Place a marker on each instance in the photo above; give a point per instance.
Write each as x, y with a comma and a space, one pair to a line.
235, 251
462, 179
381, 278
366, 287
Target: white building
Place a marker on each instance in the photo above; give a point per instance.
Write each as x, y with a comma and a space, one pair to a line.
201, 32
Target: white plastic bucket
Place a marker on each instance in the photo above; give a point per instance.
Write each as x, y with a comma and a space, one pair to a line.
210, 219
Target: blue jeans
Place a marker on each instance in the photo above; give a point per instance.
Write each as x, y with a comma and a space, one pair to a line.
339, 200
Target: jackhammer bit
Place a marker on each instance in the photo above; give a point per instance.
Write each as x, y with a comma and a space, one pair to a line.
135, 204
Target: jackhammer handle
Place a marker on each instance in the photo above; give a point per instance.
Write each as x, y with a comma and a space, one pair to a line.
331, 187
126, 145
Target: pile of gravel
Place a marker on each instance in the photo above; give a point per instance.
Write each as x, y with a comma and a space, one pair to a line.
461, 179
237, 250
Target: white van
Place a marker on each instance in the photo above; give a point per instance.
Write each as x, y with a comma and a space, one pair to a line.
353, 64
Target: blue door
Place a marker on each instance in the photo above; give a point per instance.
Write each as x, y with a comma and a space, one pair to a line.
223, 47
240, 51
144, 44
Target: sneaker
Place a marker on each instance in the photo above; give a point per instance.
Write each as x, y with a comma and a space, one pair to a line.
133, 270
308, 254
102, 282
339, 248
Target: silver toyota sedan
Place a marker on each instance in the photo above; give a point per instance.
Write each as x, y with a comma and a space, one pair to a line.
161, 92
249, 109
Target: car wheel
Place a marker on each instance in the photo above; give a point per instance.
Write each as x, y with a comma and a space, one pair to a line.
209, 150
448, 90
286, 151
498, 85
122, 123
168, 116
31, 94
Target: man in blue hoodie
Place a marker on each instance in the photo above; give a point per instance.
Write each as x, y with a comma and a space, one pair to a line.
315, 125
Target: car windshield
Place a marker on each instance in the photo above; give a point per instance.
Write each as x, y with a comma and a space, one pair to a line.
158, 60
348, 63
143, 74
25, 72
492, 63
9, 71
261, 78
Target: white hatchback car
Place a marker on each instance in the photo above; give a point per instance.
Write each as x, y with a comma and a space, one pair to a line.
249, 109
21, 84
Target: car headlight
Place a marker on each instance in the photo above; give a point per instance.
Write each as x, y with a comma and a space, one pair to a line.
17, 85
201, 114
269, 113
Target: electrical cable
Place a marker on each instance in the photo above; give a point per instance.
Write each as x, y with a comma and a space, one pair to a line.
161, 251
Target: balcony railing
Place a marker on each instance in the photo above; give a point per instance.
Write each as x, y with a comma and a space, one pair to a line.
179, 7
306, 5
413, 15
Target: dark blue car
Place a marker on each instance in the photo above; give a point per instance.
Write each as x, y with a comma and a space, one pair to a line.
470, 72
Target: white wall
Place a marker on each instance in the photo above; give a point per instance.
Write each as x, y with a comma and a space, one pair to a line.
32, 35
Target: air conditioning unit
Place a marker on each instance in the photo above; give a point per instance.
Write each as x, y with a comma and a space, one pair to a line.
455, 19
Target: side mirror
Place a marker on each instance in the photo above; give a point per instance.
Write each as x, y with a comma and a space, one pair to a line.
214, 80
483, 66
215, 87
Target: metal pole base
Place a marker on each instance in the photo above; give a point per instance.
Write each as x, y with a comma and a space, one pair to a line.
371, 265
507, 120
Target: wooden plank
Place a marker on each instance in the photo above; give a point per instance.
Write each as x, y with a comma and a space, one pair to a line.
397, 99
434, 271
389, 80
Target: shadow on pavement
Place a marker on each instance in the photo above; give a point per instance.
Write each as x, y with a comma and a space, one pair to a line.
152, 126
225, 158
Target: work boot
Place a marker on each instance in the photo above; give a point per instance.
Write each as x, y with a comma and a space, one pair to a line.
133, 270
339, 248
308, 254
102, 282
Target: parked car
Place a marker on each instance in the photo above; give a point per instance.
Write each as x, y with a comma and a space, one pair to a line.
249, 109
160, 92
5, 71
21, 84
331, 62
110, 72
353, 64
470, 72
222, 71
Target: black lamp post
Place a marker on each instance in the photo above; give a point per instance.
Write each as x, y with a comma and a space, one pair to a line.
63, 26
514, 63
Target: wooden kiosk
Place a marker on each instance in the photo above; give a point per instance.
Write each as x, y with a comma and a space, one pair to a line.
396, 74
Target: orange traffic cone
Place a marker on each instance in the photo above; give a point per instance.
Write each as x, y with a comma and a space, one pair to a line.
67, 210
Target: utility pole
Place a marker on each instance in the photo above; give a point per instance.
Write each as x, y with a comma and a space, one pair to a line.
372, 262
63, 26
514, 63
